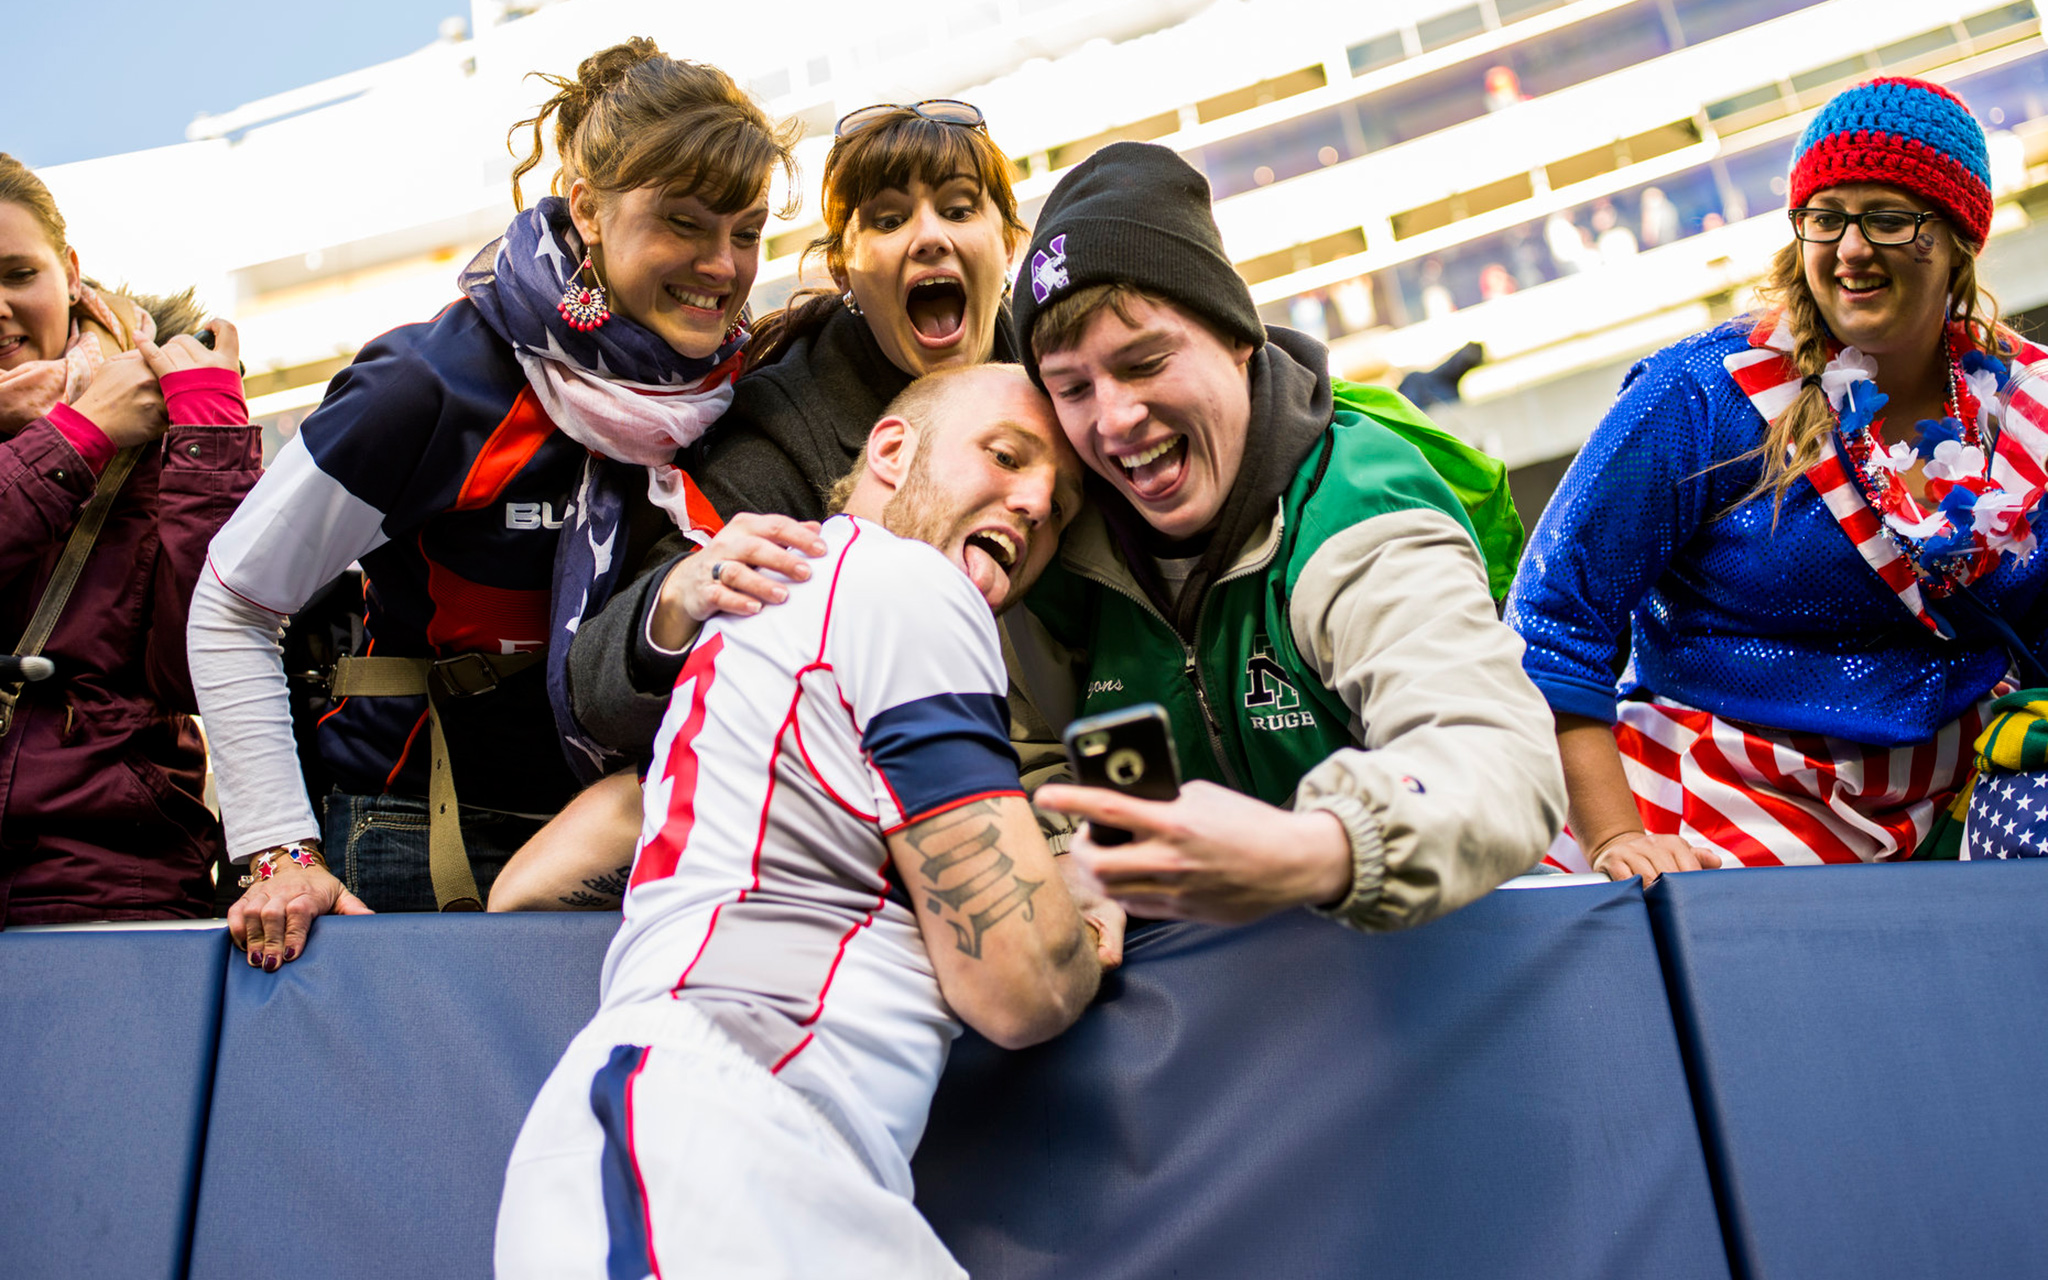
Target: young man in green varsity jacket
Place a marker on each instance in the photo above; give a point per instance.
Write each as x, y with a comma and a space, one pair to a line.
1288, 577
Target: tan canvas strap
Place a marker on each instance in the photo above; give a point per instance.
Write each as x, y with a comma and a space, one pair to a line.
69, 565
463, 676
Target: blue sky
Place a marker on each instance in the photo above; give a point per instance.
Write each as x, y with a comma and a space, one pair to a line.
108, 76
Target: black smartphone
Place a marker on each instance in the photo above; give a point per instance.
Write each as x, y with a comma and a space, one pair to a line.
1131, 751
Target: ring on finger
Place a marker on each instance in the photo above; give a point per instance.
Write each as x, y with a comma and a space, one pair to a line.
717, 567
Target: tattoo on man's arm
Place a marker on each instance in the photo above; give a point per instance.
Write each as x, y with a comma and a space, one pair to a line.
599, 891
965, 874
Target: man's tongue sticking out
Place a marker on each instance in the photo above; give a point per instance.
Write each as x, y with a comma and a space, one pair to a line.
988, 576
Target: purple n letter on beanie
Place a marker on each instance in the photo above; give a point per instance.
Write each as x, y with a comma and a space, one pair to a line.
1049, 271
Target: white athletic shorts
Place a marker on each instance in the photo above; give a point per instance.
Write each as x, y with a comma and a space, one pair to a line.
659, 1148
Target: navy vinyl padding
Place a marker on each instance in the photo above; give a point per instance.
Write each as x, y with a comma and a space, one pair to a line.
106, 1051
1869, 1049
1498, 1093
394, 1063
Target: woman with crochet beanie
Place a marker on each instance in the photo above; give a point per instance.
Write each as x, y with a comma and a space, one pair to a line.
1814, 526
492, 469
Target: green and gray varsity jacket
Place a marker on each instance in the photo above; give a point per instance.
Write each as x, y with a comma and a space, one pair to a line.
1349, 659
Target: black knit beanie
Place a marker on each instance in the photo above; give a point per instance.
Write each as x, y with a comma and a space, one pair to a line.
1136, 213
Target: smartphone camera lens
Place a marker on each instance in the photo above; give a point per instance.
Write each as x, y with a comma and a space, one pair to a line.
1092, 744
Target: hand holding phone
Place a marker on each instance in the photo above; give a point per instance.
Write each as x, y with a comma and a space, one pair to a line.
1130, 751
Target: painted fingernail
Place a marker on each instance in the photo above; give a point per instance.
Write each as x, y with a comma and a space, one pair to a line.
255, 958
291, 954
270, 964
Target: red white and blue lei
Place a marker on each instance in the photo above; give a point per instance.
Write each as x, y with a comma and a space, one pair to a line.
1986, 469
1975, 520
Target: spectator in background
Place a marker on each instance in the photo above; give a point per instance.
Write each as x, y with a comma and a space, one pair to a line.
1612, 240
492, 469
1569, 247
1355, 307
1659, 218
102, 816
1495, 281
1821, 599
1503, 88
1437, 301
1526, 257
1305, 312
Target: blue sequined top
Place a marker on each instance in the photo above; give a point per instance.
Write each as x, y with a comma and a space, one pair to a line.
1789, 629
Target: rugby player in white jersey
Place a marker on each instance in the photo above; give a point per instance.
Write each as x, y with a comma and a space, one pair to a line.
836, 862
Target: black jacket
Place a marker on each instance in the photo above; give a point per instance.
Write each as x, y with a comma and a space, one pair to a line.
795, 427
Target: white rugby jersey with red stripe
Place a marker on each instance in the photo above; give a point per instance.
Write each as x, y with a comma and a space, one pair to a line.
795, 742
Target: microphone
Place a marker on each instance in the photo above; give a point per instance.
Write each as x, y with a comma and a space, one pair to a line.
21, 670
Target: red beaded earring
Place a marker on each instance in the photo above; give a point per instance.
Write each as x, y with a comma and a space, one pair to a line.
583, 305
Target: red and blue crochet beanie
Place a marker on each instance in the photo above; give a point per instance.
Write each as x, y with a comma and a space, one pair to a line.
1903, 133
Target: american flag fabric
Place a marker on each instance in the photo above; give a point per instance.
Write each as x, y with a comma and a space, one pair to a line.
2008, 811
2008, 816
1766, 798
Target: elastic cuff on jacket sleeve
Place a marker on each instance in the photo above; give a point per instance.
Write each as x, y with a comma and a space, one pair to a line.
651, 668
84, 435
1368, 858
1576, 697
205, 397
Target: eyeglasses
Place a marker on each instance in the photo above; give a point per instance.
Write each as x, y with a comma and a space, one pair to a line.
942, 110
1879, 226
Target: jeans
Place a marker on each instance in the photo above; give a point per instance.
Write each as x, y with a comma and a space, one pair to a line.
378, 846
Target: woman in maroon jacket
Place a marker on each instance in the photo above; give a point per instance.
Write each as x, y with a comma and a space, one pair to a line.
101, 766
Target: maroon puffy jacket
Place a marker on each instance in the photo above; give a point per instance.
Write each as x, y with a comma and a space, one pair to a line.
102, 773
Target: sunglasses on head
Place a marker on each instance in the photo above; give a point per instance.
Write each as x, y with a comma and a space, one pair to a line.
942, 110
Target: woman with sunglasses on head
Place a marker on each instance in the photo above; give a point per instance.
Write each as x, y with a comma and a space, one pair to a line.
491, 469
119, 459
920, 222
1814, 526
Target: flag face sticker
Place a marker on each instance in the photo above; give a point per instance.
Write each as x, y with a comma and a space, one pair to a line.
1049, 269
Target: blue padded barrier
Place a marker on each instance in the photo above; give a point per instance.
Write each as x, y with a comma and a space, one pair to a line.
1867, 1046
107, 1050
395, 1062
1499, 1093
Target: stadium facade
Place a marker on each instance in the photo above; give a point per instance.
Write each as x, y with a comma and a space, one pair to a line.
1571, 183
